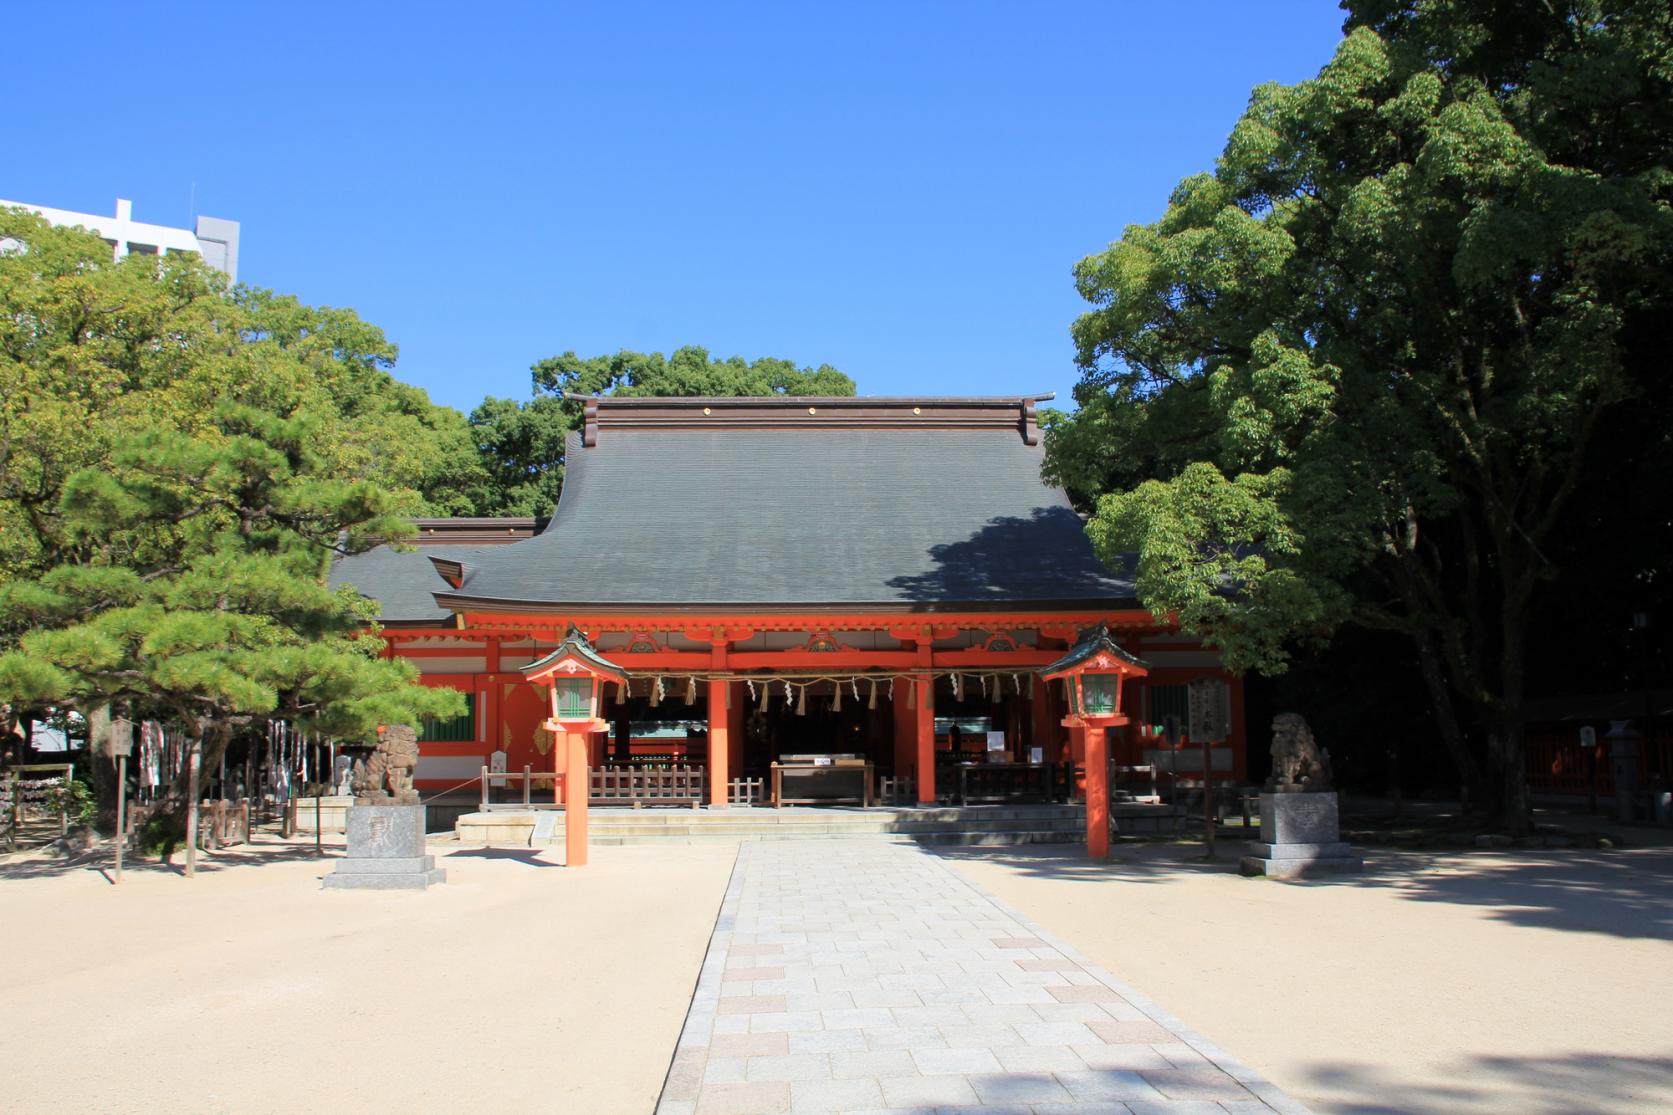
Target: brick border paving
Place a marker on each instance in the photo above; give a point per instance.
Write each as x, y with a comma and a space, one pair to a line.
870, 978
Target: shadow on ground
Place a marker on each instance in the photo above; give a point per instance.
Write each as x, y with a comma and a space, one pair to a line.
1626, 894
530, 856
44, 864
1572, 1084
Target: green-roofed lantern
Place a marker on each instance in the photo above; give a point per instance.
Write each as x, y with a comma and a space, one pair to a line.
1092, 674
575, 673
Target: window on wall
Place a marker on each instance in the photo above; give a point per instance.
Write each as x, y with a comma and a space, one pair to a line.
460, 729
1166, 701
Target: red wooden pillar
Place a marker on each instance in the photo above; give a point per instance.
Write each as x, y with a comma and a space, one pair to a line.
720, 748
906, 731
924, 737
735, 725
1048, 733
1095, 743
491, 719
575, 798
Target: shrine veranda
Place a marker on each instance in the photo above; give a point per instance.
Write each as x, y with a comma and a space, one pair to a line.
878, 579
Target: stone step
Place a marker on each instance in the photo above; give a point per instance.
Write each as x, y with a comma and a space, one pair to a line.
768, 815
901, 828
987, 839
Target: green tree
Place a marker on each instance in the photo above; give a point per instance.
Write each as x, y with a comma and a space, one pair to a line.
1356, 373
522, 444
178, 462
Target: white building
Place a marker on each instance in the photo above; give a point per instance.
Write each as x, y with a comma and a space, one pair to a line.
215, 239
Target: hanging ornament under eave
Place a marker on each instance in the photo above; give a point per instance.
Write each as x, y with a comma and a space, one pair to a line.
621, 693
801, 701
766, 693
836, 702
872, 702
691, 690
993, 690
656, 692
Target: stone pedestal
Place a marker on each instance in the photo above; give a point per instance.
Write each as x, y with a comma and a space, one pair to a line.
1300, 836
386, 851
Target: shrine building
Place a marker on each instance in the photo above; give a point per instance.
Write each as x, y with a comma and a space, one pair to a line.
779, 584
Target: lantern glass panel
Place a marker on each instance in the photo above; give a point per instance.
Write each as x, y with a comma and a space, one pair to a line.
574, 698
1098, 691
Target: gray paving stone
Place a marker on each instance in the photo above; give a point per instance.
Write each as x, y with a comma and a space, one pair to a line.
1108, 1084
826, 1041
792, 1066
1039, 1058
1019, 1087
873, 1063
861, 978
1132, 1058
784, 1022
909, 1037
955, 1061
1053, 1033
820, 1096
927, 1091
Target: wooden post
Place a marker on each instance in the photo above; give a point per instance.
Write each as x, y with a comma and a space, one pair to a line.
1095, 744
720, 748
575, 801
1208, 812
193, 756
924, 733
121, 809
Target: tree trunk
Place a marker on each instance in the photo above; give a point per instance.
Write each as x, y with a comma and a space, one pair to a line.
209, 743
102, 764
1446, 719
1509, 808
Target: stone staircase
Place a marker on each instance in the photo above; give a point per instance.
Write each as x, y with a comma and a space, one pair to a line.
942, 825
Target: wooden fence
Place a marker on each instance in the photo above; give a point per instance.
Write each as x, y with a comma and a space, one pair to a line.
679, 785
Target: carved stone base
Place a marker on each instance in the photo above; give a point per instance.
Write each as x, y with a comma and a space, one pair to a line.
1299, 838
386, 851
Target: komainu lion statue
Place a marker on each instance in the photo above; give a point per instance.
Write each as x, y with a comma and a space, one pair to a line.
385, 777
1298, 762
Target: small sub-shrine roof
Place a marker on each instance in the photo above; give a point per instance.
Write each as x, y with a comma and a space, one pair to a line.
404, 584
902, 503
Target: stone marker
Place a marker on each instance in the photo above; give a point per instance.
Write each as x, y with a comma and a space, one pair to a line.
386, 822
1300, 828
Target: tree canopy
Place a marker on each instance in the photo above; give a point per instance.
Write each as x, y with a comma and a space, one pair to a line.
522, 443
1357, 372
178, 463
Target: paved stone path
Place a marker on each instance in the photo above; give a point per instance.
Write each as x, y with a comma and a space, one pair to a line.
870, 978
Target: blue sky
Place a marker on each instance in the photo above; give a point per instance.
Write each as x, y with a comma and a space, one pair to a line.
898, 189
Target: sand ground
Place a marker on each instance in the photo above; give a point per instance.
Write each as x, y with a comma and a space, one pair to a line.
1534, 983
1537, 983
516, 986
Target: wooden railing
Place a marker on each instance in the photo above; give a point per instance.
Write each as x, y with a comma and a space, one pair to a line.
681, 785
898, 789
518, 787
222, 823
684, 785
745, 791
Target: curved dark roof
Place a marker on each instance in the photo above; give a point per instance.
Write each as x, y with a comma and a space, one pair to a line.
925, 503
